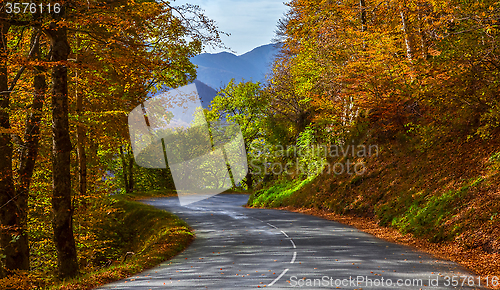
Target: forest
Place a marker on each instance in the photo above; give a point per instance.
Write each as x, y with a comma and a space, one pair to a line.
404, 93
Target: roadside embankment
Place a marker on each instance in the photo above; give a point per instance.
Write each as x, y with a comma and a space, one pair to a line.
142, 237
442, 198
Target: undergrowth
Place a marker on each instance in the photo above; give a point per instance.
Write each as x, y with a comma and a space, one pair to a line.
427, 215
277, 195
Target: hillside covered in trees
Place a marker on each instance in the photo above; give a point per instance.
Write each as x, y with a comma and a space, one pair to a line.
416, 81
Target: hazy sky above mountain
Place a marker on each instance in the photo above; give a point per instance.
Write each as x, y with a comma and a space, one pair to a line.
251, 23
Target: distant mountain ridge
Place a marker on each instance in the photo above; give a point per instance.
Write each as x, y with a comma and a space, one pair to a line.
205, 92
216, 70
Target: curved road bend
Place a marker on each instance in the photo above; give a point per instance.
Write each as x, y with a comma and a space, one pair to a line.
242, 248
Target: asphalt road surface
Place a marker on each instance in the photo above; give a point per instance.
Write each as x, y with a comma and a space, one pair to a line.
242, 248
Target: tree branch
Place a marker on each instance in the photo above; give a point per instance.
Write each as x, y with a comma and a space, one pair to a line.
21, 70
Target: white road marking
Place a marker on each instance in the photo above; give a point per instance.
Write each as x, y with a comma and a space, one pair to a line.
293, 258
272, 225
279, 277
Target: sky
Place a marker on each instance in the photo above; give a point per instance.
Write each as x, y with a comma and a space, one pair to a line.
251, 23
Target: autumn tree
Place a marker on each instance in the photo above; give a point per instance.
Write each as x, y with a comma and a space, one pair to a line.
14, 209
9, 219
61, 201
389, 61
99, 71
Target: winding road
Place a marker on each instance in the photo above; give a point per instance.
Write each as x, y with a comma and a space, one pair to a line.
243, 248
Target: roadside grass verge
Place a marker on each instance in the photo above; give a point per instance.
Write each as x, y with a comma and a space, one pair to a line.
149, 194
136, 237
145, 236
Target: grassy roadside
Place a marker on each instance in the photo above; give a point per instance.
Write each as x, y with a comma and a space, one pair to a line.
143, 237
150, 194
443, 200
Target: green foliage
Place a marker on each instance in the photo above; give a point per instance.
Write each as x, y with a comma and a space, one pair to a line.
495, 157
490, 121
494, 162
426, 135
243, 104
277, 194
144, 179
149, 179
311, 158
135, 226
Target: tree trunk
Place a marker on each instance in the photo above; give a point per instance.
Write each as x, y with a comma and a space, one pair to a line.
423, 39
407, 34
249, 180
362, 17
29, 151
130, 173
362, 7
12, 236
124, 169
91, 154
80, 137
62, 224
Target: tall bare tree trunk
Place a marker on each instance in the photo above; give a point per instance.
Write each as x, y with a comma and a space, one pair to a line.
67, 261
29, 149
80, 137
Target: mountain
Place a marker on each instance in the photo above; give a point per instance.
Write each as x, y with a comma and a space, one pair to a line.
217, 69
206, 93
